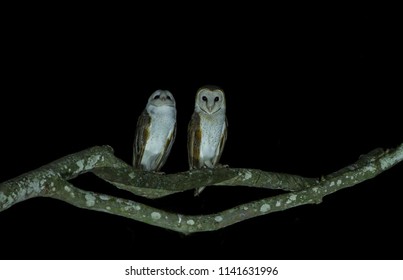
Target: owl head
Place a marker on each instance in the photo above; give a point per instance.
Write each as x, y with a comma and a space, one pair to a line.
161, 98
210, 99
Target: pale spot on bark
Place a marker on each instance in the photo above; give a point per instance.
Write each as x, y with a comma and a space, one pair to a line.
292, 198
155, 216
190, 222
264, 208
90, 200
339, 182
131, 207
67, 188
21, 193
35, 185
218, 219
92, 161
2, 197
370, 168
80, 164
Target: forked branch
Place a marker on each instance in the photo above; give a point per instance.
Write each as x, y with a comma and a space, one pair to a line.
51, 181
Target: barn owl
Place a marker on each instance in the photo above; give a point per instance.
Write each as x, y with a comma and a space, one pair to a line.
207, 130
155, 132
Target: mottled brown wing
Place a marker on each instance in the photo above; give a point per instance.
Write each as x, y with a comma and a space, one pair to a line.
140, 140
167, 149
222, 142
194, 141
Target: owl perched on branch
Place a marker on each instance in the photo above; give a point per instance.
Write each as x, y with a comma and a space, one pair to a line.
155, 132
207, 130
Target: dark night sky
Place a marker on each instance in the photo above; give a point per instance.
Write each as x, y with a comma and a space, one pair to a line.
305, 99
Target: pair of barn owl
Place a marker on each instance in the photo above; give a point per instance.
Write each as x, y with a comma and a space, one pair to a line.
156, 130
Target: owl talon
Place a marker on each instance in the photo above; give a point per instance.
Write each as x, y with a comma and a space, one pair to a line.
219, 165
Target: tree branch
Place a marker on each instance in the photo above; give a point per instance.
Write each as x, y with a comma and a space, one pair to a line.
51, 181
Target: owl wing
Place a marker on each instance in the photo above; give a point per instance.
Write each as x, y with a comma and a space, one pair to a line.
222, 141
167, 149
194, 141
140, 140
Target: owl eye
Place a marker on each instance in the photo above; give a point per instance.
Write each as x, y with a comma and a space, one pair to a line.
216, 99
204, 98
156, 97
168, 97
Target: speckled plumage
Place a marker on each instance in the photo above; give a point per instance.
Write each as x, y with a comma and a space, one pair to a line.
155, 132
207, 130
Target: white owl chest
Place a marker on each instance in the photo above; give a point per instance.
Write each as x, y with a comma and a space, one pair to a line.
161, 128
211, 133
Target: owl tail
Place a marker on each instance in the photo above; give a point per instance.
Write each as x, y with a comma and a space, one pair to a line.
198, 191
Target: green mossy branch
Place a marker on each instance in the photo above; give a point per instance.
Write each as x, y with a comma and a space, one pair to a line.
51, 181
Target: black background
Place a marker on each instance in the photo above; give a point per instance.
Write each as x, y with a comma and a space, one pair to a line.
305, 95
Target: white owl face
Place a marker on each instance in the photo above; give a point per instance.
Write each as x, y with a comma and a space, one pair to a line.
161, 98
210, 100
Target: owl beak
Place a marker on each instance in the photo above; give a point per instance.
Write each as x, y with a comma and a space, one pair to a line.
210, 108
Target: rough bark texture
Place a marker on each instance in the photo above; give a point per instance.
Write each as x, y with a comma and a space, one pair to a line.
51, 181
